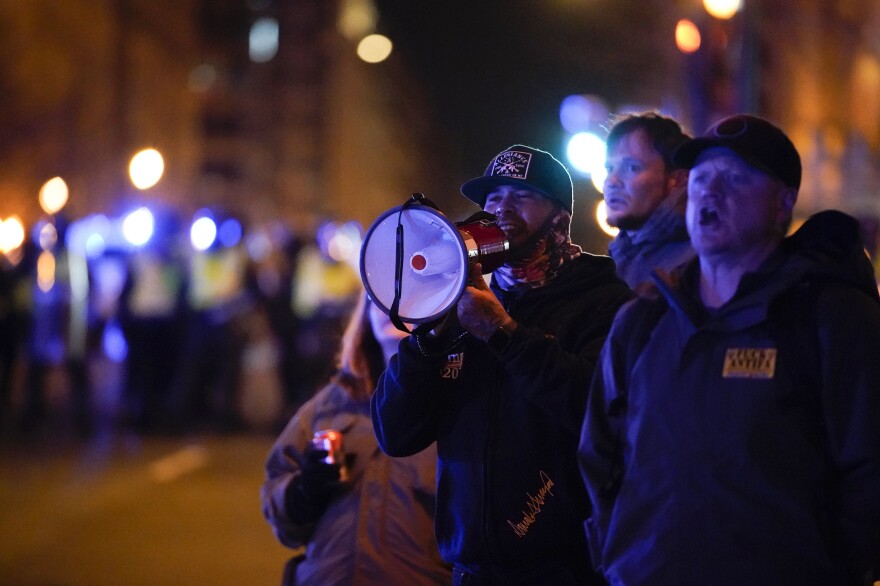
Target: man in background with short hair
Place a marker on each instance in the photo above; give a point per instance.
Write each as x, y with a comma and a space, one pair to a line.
645, 195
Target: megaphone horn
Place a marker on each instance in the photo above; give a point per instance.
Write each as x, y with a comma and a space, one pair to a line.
415, 262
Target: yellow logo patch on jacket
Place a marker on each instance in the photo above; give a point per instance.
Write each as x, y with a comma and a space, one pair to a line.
749, 363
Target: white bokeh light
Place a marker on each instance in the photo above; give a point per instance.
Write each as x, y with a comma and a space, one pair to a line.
374, 48
203, 233
53, 195
11, 234
722, 9
137, 227
586, 153
146, 168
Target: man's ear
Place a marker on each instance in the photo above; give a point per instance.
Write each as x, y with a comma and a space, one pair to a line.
677, 179
787, 198
676, 187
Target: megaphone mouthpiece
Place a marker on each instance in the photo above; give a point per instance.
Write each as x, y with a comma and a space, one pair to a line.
440, 257
418, 262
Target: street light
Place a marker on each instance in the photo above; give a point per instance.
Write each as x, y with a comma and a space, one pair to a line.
602, 219
374, 48
263, 40
722, 9
11, 234
203, 231
687, 36
53, 195
146, 168
138, 226
586, 153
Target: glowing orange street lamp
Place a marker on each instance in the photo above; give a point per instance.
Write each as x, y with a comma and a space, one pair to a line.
687, 36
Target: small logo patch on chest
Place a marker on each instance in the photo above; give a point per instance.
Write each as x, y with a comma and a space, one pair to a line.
453, 365
749, 363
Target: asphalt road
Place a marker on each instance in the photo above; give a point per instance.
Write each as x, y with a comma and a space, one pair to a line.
126, 510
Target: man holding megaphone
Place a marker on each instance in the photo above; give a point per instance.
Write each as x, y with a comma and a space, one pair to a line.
501, 386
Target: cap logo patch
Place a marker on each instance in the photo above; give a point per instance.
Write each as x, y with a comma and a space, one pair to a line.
749, 363
512, 164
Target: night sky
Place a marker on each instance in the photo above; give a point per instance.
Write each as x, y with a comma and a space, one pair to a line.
497, 71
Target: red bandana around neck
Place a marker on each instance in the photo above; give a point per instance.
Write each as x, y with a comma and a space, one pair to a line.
547, 251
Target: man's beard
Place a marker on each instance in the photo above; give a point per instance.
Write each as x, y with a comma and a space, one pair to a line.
630, 222
537, 260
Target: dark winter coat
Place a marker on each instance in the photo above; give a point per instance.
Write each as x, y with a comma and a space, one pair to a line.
742, 445
510, 500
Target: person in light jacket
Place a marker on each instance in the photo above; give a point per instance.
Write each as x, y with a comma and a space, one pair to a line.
367, 520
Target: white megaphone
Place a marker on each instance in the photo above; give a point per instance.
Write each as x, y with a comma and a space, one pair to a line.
415, 262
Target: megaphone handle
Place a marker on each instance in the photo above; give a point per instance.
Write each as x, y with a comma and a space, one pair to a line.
420, 198
398, 277
416, 198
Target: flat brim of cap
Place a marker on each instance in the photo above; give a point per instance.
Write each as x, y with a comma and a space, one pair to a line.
477, 189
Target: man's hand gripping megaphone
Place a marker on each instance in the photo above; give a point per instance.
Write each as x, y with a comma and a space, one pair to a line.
479, 311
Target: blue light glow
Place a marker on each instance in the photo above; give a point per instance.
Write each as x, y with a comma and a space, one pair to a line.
586, 153
113, 342
230, 232
579, 113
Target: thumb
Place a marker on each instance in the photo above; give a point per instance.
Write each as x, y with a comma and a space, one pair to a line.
476, 277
